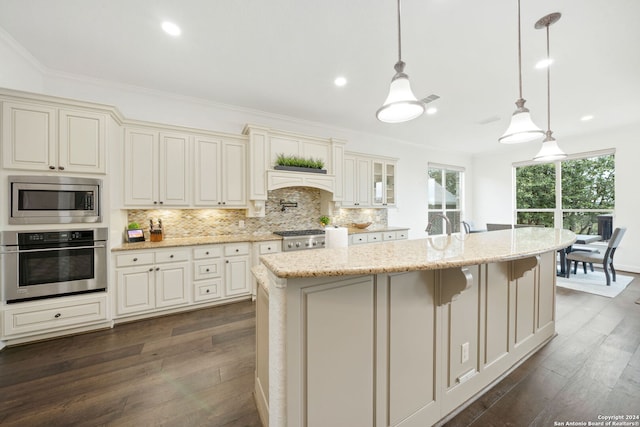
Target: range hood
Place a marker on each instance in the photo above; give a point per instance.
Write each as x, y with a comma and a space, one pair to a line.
265, 144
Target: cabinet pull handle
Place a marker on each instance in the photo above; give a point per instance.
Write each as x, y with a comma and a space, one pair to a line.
57, 315
61, 168
52, 167
135, 259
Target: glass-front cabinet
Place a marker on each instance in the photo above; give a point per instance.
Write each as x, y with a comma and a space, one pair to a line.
384, 175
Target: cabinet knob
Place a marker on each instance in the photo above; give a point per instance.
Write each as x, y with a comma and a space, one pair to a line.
155, 203
268, 248
135, 259
219, 203
52, 167
227, 261
61, 168
237, 250
157, 268
57, 315
206, 253
207, 270
151, 269
161, 202
171, 256
208, 290
224, 203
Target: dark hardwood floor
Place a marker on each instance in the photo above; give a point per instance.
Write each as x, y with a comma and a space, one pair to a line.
196, 369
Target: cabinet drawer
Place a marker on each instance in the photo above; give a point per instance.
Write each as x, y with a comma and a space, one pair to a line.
207, 269
357, 239
132, 259
374, 237
270, 247
39, 317
172, 256
401, 235
236, 249
207, 290
389, 235
208, 252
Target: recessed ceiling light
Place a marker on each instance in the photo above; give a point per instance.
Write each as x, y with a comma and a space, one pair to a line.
340, 81
586, 118
432, 110
171, 28
544, 63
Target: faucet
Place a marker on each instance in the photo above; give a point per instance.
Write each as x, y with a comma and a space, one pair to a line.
446, 219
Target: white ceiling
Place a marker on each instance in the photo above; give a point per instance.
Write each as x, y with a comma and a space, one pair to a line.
281, 56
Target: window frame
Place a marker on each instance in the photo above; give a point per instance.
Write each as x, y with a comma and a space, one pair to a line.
558, 211
461, 209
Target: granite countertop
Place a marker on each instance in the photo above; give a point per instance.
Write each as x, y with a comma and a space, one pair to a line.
423, 254
194, 241
354, 230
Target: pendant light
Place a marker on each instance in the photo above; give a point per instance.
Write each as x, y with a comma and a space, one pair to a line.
550, 150
401, 104
522, 128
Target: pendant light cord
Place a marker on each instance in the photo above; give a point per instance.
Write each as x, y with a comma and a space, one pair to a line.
519, 54
400, 35
548, 84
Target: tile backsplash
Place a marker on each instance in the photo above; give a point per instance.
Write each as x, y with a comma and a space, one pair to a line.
205, 222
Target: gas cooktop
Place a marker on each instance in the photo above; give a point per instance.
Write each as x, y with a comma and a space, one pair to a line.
296, 233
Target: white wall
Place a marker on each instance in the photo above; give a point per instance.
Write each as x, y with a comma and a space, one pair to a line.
492, 185
18, 70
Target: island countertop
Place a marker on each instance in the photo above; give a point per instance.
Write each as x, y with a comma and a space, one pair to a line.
432, 253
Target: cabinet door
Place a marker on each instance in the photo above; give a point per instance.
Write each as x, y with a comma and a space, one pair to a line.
364, 184
140, 167
390, 184
237, 276
171, 284
378, 183
174, 172
82, 145
28, 137
207, 172
135, 290
350, 181
234, 184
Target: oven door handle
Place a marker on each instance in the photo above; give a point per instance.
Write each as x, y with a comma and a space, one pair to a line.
67, 248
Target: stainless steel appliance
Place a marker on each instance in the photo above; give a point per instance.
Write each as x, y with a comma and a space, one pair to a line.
54, 199
44, 264
297, 240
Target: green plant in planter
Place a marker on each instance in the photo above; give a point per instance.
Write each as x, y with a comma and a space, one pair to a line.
300, 162
134, 226
324, 220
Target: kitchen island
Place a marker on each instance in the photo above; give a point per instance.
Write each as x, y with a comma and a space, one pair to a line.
401, 333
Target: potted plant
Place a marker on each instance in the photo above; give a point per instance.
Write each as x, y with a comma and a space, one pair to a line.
299, 164
324, 220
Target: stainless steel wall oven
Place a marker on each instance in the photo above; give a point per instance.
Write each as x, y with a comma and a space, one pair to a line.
44, 264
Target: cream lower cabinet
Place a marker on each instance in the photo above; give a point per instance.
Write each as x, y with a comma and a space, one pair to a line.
237, 266
259, 249
152, 280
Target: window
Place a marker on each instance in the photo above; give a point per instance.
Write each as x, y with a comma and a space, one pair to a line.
445, 196
570, 194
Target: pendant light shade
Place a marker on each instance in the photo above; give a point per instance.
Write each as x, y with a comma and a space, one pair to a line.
550, 150
401, 104
521, 128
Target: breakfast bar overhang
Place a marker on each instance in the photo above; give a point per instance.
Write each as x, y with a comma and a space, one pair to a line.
400, 333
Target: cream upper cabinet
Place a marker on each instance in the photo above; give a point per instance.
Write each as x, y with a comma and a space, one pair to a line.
45, 138
220, 172
384, 175
357, 181
156, 168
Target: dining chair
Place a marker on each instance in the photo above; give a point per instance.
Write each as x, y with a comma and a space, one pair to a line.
605, 259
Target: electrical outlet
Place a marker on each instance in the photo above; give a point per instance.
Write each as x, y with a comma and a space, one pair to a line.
241, 223
465, 352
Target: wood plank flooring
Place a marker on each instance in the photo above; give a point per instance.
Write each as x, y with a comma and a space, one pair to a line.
196, 369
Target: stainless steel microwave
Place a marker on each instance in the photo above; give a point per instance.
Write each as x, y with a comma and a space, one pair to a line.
54, 200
